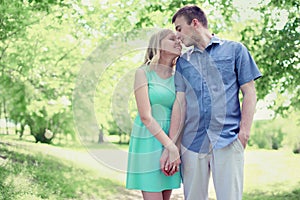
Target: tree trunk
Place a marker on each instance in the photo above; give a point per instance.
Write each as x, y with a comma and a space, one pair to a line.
5, 116
100, 137
22, 130
0, 116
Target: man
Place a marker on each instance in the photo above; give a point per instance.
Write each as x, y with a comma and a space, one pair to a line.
215, 130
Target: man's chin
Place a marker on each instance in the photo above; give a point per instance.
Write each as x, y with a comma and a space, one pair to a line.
187, 44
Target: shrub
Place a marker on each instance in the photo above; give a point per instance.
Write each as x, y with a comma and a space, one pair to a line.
266, 135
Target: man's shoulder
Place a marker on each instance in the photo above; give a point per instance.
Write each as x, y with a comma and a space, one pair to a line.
231, 43
229, 47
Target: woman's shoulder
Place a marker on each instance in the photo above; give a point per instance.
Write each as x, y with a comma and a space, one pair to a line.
141, 75
143, 69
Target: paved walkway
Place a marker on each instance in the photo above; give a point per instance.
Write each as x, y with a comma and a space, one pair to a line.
107, 163
116, 160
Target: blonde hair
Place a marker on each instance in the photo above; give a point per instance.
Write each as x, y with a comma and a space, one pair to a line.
153, 51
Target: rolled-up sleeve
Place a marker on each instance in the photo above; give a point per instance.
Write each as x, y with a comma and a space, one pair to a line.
246, 67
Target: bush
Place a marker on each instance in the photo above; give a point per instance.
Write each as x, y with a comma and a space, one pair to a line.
296, 148
266, 135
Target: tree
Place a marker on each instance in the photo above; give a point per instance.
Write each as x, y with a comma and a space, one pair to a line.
43, 44
274, 43
40, 52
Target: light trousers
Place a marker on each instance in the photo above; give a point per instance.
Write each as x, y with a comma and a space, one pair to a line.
226, 166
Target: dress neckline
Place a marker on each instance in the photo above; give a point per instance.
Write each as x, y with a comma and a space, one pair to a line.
161, 77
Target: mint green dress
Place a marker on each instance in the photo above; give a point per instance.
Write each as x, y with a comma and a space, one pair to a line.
143, 171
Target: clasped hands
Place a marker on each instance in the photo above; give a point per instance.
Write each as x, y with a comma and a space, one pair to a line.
170, 160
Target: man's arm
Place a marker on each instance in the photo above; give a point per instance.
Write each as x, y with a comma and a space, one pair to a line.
248, 110
178, 118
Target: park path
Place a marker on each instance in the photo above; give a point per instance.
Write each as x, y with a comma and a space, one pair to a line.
97, 162
106, 163
263, 173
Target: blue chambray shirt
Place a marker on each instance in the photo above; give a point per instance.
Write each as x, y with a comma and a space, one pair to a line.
211, 81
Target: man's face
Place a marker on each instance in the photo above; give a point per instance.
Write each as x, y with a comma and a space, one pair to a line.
184, 31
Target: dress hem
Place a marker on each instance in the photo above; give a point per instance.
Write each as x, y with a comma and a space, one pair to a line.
146, 190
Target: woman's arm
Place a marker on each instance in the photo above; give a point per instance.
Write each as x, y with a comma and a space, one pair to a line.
144, 109
175, 133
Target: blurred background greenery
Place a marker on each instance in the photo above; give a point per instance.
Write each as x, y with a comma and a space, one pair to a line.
44, 46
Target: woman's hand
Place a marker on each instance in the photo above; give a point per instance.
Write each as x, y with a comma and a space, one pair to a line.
173, 160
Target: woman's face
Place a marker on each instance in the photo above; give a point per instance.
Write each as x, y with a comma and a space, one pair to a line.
170, 45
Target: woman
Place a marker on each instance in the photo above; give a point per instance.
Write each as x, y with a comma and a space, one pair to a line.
155, 94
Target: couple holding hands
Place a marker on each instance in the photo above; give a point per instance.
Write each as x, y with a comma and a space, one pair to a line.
190, 123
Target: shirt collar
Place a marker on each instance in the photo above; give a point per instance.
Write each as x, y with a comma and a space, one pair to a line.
213, 40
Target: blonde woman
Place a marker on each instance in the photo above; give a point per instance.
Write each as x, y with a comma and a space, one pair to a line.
155, 94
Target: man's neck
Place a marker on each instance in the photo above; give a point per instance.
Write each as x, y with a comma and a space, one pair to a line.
204, 39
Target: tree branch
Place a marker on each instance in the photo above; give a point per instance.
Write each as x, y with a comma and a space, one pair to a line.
3, 51
66, 54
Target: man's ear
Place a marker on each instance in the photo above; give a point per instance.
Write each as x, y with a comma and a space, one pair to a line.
195, 23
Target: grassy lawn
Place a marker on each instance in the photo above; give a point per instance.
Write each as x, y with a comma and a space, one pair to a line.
272, 175
40, 171
29, 172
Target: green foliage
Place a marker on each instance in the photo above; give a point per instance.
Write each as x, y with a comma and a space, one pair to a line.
273, 42
114, 129
39, 54
43, 43
290, 125
276, 133
266, 135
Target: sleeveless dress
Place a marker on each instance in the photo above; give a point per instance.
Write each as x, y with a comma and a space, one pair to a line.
143, 170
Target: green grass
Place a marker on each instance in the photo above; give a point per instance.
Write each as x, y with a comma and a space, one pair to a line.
293, 195
272, 175
41, 171
27, 174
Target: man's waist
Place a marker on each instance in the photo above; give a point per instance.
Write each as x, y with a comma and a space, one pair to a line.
200, 141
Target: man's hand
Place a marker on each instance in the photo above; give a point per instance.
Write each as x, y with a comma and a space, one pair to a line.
168, 164
243, 137
173, 159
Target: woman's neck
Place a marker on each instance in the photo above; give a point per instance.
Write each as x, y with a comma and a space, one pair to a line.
164, 67
165, 63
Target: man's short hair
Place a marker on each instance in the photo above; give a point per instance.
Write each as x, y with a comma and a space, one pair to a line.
191, 12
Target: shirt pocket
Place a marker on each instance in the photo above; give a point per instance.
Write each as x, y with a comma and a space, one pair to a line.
225, 65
